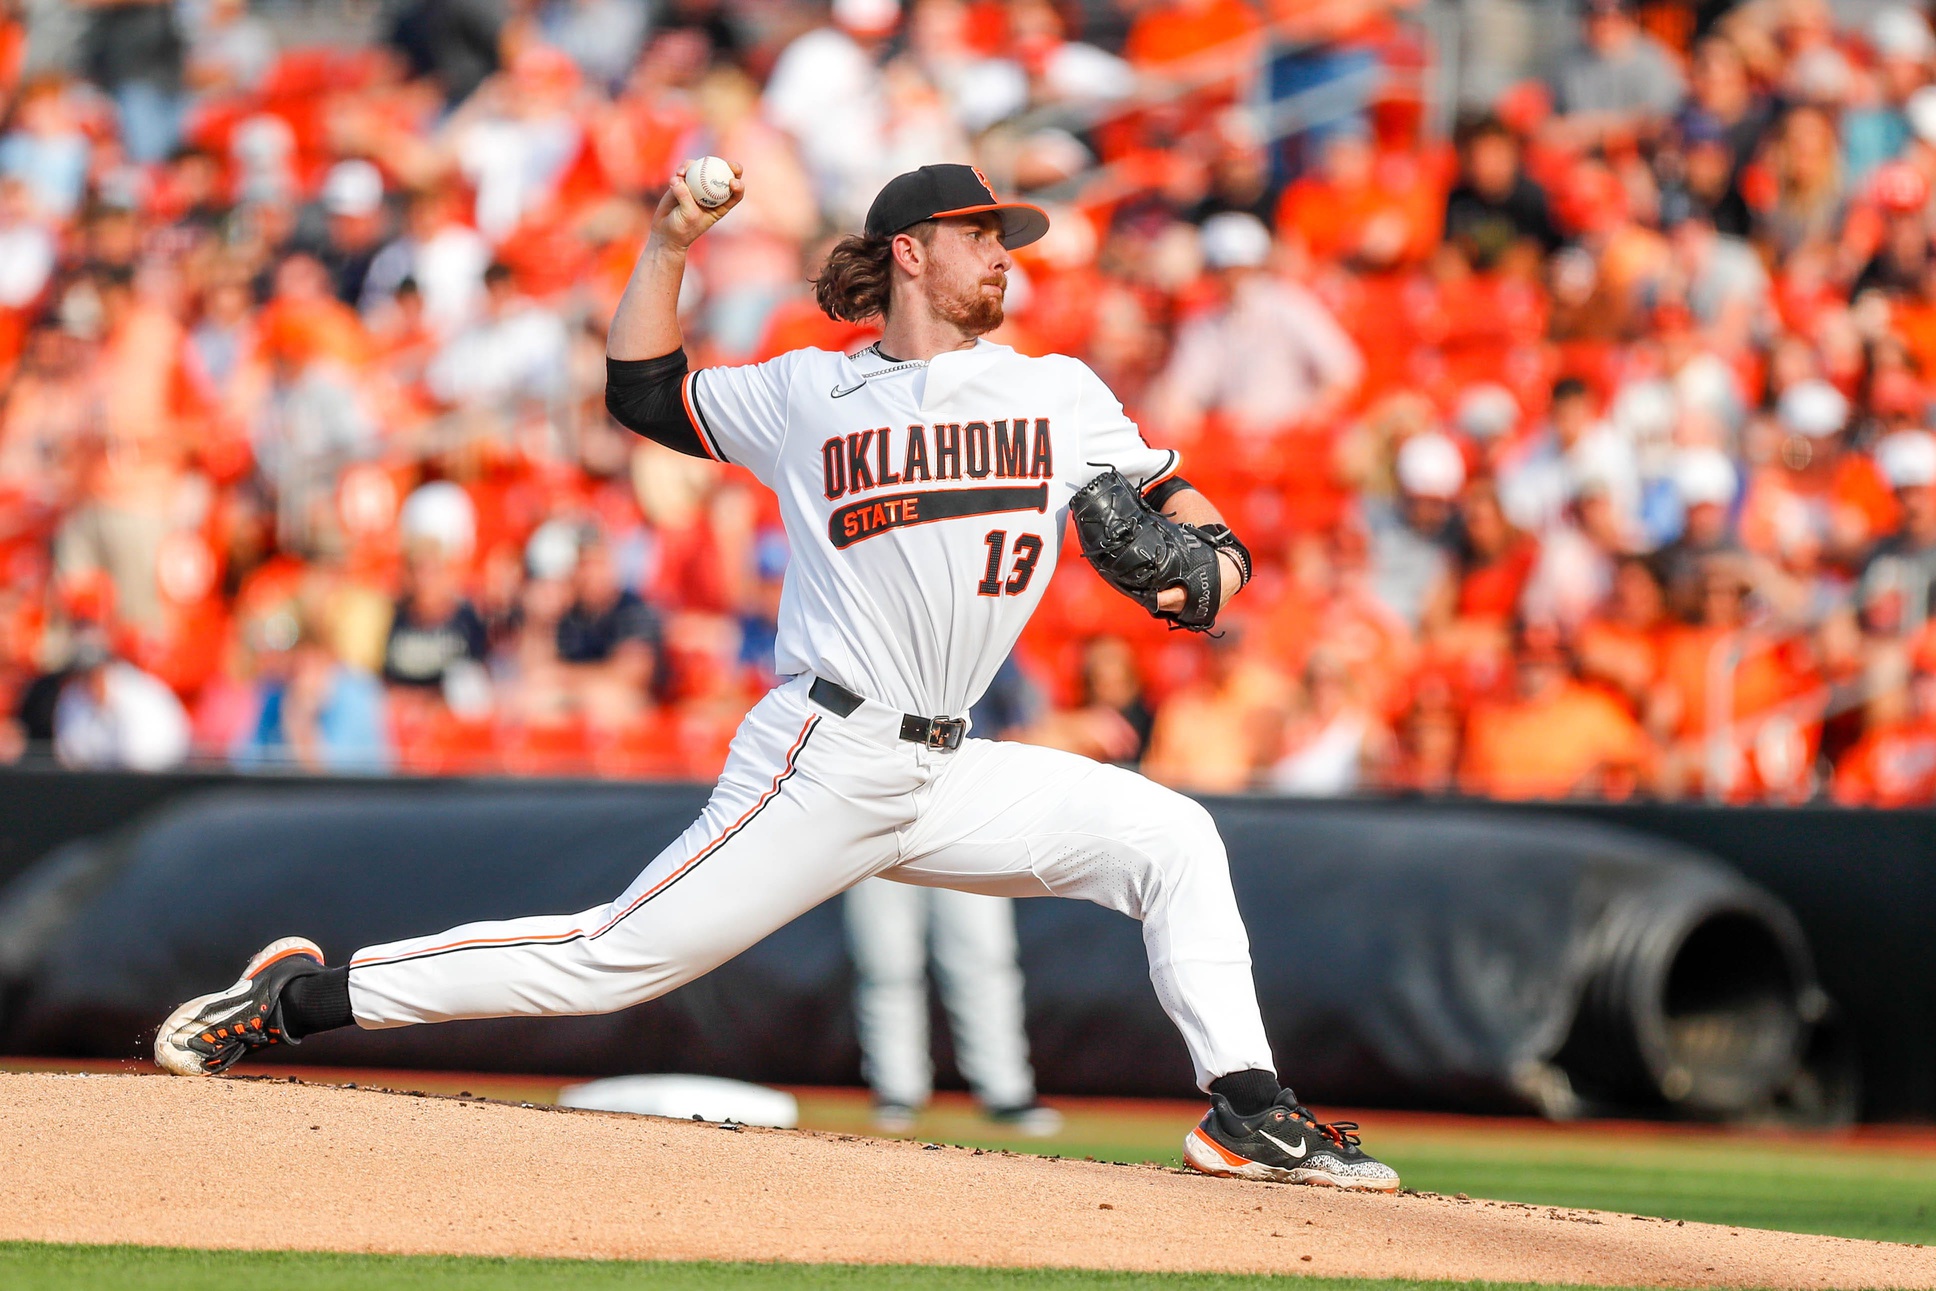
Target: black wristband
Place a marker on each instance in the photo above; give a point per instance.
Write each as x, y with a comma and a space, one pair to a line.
1220, 537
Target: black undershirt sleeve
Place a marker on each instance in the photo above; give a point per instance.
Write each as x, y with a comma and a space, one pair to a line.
1168, 489
644, 396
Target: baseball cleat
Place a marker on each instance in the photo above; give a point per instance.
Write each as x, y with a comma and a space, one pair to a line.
1031, 1120
894, 1118
211, 1033
1286, 1144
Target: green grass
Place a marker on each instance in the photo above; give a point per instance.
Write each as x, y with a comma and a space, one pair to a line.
30, 1266
1801, 1184
1847, 1191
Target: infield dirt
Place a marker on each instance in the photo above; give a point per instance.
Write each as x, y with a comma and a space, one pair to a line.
273, 1164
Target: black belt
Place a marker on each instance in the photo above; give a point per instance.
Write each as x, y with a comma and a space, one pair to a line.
935, 732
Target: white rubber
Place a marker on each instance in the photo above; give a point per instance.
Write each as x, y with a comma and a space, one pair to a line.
172, 1053
1204, 1157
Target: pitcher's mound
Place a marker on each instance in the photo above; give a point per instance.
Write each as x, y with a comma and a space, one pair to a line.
159, 1160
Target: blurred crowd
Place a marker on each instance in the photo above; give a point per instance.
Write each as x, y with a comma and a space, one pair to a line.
1574, 409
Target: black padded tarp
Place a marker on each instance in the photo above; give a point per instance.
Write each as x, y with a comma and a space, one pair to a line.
1426, 958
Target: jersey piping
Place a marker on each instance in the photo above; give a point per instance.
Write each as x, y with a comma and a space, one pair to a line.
707, 440
1169, 469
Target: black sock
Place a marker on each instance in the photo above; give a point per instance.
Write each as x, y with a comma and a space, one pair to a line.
1249, 1092
316, 1002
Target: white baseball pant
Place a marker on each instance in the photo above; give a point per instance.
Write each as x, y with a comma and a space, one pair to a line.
889, 926
809, 805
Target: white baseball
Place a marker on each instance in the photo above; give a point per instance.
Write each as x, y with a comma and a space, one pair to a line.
711, 181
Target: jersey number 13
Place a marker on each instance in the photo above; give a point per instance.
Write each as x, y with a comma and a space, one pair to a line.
1028, 550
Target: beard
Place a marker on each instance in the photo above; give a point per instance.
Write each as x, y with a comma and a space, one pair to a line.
974, 311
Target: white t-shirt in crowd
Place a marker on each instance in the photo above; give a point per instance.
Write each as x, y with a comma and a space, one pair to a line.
137, 725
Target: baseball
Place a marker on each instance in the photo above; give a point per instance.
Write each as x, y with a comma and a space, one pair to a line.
711, 180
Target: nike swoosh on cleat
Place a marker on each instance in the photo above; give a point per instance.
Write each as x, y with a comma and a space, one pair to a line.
1295, 1153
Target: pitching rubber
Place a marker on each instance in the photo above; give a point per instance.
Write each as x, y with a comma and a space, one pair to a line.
172, 1053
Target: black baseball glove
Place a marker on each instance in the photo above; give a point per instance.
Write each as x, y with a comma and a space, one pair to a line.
1140, 552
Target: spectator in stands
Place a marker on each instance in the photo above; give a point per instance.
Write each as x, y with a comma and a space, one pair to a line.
314, 712
1240, 172
1726, 285
1704, 480
1493, 558
1333, 739
1811, 197
1816, 481
48, 412
1730, 708
1495, 207
1619, 647
829, 93
1270, 356
608, 636
1540, 475
229, 50
1010, 706
353, 206
113, 716
532, 681
514, 351
1358, 207
1425, 756
1621, 81
1110, 721
1176, 37
1216, 734
1700, 176
1898, 590
46, 148
1723, 99
1874, 123
134, 449
455, 41
134, 51
602, 36
1894, 763
1555, 738
442, 255
1577, 560
435, 627
1411, 561
26, 247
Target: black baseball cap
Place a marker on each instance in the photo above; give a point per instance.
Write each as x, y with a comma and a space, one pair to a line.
937, 192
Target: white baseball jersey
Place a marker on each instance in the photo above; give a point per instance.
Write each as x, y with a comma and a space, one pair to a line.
924, 502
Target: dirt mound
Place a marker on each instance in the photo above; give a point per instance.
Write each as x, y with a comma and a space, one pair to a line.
275, 1164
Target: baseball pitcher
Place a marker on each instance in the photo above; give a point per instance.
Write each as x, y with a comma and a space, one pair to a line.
924, 484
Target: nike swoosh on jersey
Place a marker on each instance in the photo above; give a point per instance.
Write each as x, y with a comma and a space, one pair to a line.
1295, 1153
841, 391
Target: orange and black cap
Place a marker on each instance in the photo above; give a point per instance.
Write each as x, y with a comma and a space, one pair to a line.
937, 192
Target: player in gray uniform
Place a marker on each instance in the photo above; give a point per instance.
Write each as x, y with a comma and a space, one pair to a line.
890, 927
924, 483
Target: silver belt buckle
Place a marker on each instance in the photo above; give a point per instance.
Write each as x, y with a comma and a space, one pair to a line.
940, 729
